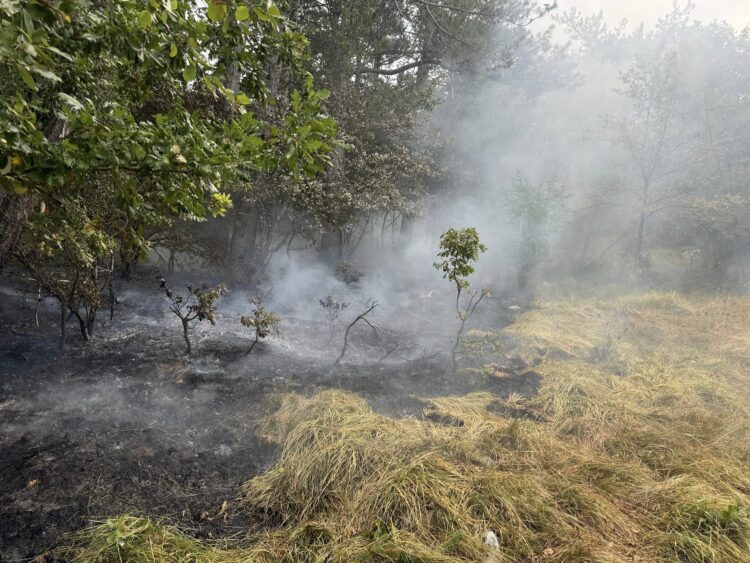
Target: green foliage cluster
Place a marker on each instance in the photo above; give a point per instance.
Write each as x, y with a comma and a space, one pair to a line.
118, 118
262, 321
458, 249
198, 305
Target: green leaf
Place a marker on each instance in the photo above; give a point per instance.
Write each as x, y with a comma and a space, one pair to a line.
189, 73
173, 50
144, 19
209, 84
29, 49
28, 23
242, 13
216, 11
313, 145
47, 74
59, 53
242, 99
70, 100
26, 77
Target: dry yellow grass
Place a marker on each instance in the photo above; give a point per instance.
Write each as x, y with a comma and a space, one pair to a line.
637, 451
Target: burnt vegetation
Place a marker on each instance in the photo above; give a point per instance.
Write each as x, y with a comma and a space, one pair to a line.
441, 281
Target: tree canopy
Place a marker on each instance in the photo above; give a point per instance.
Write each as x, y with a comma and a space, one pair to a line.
121, 117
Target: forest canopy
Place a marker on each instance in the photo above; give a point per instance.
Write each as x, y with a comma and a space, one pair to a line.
230, 133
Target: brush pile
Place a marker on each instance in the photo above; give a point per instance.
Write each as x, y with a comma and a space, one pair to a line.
635, 449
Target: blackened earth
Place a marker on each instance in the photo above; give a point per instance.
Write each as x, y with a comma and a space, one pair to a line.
129, 423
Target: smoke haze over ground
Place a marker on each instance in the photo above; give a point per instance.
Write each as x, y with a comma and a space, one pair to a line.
590, 157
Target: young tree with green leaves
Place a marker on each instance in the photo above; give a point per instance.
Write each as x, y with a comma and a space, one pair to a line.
459, 249
262, 321
199, 304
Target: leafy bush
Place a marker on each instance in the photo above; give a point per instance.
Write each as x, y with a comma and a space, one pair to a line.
262, 321
198, 305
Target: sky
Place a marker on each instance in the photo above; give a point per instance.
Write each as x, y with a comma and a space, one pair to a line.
736, 12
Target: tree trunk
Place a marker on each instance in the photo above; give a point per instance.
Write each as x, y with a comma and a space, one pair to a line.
83, 326
639, 241
406, 230
90, 320
185, 329
332, 245
14, 211
128, 268
250, 351
38, 302
251, 243
63, 323
456, 344
235, 233
244, 233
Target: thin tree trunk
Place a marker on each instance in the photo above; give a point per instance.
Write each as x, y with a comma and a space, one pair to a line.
185, 329
406, 230
83, 326
639, 241
38, 302
14, 212
332, 244
111, 287
454, 351
253, 344
63, 323
251, 231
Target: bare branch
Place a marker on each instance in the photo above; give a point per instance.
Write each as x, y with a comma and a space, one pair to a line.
360, 317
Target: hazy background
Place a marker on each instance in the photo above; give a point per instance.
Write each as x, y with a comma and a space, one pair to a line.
735, 12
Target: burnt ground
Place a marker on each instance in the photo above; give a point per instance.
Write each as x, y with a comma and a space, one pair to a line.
128, 423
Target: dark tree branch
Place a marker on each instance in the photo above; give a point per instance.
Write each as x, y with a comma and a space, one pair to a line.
398, 70
360, 317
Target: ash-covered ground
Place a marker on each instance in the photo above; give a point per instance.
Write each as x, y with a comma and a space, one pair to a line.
129, 423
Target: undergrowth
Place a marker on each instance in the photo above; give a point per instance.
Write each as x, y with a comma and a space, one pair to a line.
635, 450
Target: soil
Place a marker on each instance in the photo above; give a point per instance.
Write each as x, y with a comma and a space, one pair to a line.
129, 423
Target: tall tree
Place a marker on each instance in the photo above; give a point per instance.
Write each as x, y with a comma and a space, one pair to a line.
117, 116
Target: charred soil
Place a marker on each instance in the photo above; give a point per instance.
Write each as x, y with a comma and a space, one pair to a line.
127, 423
